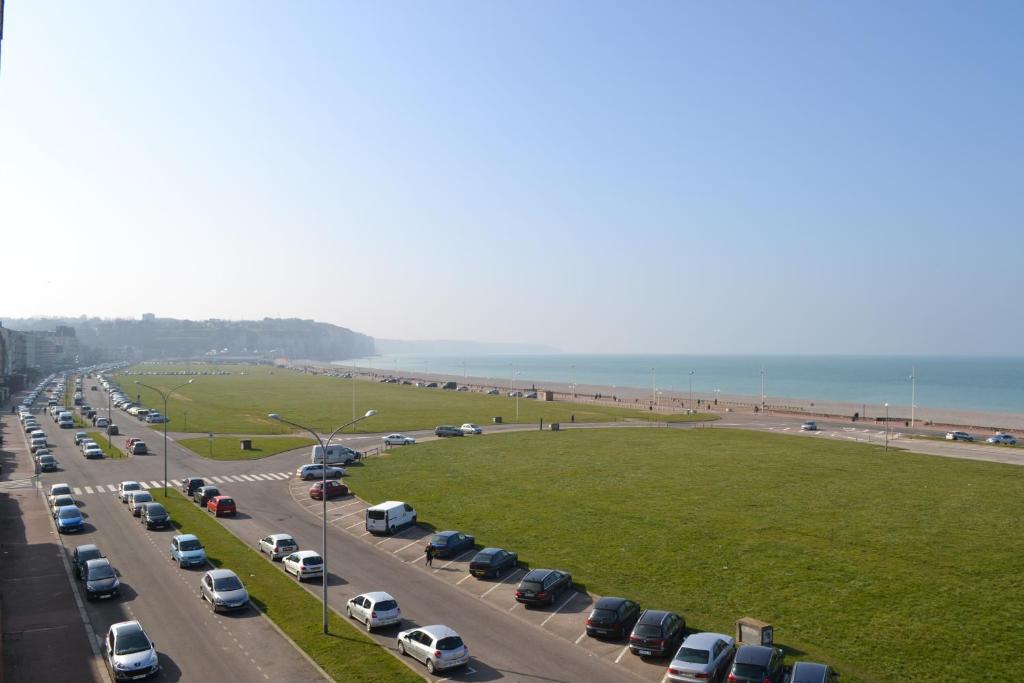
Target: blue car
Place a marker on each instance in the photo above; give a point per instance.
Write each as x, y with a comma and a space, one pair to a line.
187, 551
69, 519
451, 543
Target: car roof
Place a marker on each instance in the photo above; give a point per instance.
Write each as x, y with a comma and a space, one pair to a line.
306, 553
97, 562
438, 631
489, 551
221, 573
378, 596
124, 627
705, 640
128, 482
754, 654
447, 533
62, 508
809, 668
653, 616
609, 602
61, 484
85, 547
278, 537
186, 537
536, 574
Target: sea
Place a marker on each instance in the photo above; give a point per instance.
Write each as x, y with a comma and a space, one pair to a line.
987, 384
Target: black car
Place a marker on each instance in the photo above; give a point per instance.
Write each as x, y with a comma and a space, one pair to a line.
447, 430
809, 672
112, 430
612, 618
451, 543
190, 484
542, 586
100, 579
758, 664
83, 554
491, 562
657, 633
203, 494
154, 516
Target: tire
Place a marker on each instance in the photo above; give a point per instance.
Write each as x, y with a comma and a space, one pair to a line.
348, 611
391, 530
401, 648
497, 573
367, 624
430, 666
414, 520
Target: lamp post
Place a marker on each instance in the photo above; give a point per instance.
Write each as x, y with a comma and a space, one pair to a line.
762, 390
653, 389
913, 394
691, 388
164, 397
109, 419
887, 427
323, 489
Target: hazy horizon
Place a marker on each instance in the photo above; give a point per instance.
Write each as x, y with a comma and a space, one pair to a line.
666, 178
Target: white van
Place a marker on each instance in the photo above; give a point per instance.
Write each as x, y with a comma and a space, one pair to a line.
389, 516
336, 455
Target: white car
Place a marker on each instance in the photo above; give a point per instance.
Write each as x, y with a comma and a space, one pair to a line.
278, 545
374, 609
958, 436
85, 443
1002, 438
129, 651
470, 428
437, 646
125, 489
93, 451
398, 440
316, 471
58, 490
304, 564
809, 426
136, 499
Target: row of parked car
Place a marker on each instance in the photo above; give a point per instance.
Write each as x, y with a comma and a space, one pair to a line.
999, 438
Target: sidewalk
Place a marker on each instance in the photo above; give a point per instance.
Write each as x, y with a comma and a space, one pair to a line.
43, 638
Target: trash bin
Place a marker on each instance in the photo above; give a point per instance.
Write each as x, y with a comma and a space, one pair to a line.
497, 420
555, 426
246, 444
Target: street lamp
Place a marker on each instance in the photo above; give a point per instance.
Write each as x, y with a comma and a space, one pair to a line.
691, 388
886, 427
164, 397
762, 390
913, 394
323, 489
653, 389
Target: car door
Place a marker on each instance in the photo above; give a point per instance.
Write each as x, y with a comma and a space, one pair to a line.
208, 587
174, 549
414, 645
361, 608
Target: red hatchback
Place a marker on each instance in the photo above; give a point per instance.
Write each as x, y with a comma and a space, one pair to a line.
221, 505
335, 489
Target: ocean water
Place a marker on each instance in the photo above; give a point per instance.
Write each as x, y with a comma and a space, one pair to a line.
962, 383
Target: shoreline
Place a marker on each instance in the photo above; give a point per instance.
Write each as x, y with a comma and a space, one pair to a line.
669, 402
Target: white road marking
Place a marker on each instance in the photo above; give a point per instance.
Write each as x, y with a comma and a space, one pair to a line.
113, 489
501, 582
406, 546
349, 515
257, 477
467, 576
156, 485
582, 636
624, 651
246, 477
284, 474
88, 489
571, 598
455, 559
354, 525
77, 491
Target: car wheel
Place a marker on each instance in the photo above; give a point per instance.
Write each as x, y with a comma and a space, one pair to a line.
368, 626
497, 573
348, 611
391, 529
401, 648
430, 666
414, 520
181, 564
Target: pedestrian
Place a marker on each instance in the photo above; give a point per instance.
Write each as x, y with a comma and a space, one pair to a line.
572, 418
429, 553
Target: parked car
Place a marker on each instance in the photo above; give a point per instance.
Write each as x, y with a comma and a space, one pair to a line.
59, 502
1001, 438
809, 426
126, 488
657, 633
48, 463
810, 672
136, 500
155, 516
221, 505
69, 519
958, 436
437, 646
58, 490
101, 422
542, 586
447, 430
223, 590
612, 618
451, 543
80, 437
112, 430
304, 564
129, 652
190, 484
703, 658
129, 442
374, 609
81, 555
203, 494
757, 664
492, 562
187, 551
398, 440
531, 394
277, 545
316, 471
492, 392
37, 443
93, 451
139, 448
100, 579
470, 428
335, 489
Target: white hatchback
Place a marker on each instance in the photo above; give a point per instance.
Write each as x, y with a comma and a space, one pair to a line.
374, 609
304, 564
437, 646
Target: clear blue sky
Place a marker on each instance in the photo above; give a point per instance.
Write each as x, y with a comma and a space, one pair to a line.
636, 177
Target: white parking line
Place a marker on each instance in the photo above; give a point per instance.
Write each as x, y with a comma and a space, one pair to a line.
582, 636
467, 576
571, 598
406, 546
354, 525
455, 559
349, 515
624, 651
502, 581
88, 489
77, 491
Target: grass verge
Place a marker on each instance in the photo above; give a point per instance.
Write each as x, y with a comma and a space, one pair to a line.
346, 654
109, 449
228, 447
870, 561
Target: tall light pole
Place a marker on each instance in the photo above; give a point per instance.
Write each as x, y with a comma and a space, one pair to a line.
164, 397
691, 388
653, 387
109, 419
887, 427
762, 390
323, 486
572, 379
913, 394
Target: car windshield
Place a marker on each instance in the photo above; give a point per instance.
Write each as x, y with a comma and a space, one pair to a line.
63, 500
386, 605
192, 544
311, 561
104, 571
604, 614
142, 497
647, 631
225, 501
376, 514
530, 586
60, 491
748, 670
440, 540
449, 643
132, 487
693, 656
154, 509
227, 583
68, 513
132, 642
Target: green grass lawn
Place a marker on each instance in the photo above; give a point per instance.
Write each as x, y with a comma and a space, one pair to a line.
239, 403
109, 449
228, 447
890, 566
346, 654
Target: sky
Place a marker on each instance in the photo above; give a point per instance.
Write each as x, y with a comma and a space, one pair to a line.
608, 177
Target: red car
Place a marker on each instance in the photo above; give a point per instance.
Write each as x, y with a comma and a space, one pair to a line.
335, 489
221, 505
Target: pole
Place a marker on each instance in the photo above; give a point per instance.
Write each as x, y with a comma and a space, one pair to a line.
109, 445
762, 390
887, 427
165, 397
652, 386
691, 388
913, 394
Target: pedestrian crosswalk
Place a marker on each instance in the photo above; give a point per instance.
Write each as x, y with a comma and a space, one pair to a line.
173, 483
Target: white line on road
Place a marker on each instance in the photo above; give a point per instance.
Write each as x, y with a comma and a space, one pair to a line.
246, 477
406, 546
624, 651
113, 489
455, 559
354, 525
156, 484
349, 515
501, 582
467, 576
571, 598
88, 489
77, 491
582, 636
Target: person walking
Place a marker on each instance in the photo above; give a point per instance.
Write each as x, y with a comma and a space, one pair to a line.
429, 554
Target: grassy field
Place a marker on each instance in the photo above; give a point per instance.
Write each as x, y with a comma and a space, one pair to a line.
239, 403
890, 566
109, 449
346, 654
228, 448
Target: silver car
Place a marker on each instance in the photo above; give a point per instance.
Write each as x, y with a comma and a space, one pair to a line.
437, 646
374, 609
137, 499
1001, 438
703, 658
130, 652
223, 590
278, 545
